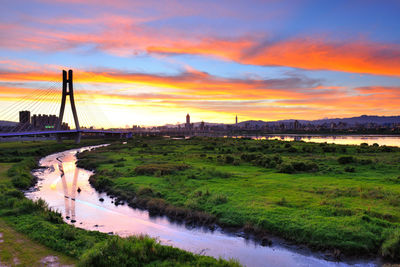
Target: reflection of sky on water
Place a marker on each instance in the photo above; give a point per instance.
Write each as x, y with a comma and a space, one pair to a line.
58, 185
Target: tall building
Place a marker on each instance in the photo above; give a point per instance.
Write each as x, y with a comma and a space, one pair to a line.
236, 120
46, 122
202, 125
296, 124
187, 125
25, 117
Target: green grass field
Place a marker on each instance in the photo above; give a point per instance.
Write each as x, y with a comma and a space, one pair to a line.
30, 231
323, 195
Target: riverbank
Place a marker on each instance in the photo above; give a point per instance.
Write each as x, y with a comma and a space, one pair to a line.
331, 197
44, 226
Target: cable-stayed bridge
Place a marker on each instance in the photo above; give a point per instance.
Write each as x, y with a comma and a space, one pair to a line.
44, 101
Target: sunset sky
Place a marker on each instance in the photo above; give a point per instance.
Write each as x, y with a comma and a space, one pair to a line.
151, 62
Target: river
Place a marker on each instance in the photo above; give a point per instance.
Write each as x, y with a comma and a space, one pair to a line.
60, 179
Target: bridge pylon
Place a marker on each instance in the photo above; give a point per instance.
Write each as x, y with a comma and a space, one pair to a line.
68, 90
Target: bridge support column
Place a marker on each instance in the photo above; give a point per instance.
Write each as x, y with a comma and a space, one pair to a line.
68, 90
78, 137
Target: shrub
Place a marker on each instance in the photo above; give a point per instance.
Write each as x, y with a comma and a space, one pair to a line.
346, 159
365, 161
386, 148
298, 166
68, 232
101, 182
145, 191
156, 205
391, 246
161, 168
329, 148
286, 168
214, 173
15, 193
22, 181
349, 169
229, 159
282, 202
218, 199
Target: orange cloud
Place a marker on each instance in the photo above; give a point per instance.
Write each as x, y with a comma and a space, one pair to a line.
126, 36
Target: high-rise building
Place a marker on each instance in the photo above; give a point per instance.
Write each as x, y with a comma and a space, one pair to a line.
187, 125
296, 124
25, 117
46, 122
236, 120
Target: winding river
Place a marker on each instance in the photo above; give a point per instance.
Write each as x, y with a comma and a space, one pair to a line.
58, 184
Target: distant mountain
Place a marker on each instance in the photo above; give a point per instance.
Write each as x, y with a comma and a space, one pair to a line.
8, 123
380, 120
361, 120
252, 123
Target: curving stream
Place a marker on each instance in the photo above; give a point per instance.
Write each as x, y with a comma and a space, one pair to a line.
60, 179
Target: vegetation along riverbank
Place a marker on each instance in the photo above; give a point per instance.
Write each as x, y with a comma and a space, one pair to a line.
341, 198
38, 224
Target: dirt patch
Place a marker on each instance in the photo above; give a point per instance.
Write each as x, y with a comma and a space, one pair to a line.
52, 261
16, 261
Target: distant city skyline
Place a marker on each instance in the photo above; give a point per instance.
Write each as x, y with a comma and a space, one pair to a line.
149, 63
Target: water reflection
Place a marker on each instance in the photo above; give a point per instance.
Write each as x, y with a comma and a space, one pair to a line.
69, 196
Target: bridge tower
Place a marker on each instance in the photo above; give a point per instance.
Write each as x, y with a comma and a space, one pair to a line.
68, 90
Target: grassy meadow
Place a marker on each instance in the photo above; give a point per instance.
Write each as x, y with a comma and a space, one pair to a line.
337, 197
31, 231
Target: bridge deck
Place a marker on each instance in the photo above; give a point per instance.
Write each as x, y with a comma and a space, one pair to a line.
59, 132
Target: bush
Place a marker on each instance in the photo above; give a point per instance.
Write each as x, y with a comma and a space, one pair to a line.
298, 166
365, 161
145, 191
101, 182
286, 168
156, 205
391, 246
22, 181
214, 173
346, 159
386, 149
218, 199
161, 168
349, 169
329, 148
282, 202
229, 159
